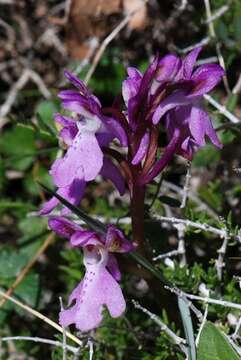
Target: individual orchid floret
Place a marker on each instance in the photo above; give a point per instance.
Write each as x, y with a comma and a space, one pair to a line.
85, 136
136, 91
99, 287
86, 105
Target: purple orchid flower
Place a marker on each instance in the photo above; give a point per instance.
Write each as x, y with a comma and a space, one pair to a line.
182, 106
171, 91
183, 116
85, 137
99, 286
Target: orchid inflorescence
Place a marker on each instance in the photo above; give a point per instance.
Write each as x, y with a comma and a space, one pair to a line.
169, 94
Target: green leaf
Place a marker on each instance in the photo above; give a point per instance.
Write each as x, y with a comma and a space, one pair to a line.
214, 346
28, 290
206, 156
41, 173
31, 226
18, 141
33, 230
232, 102
2, 175
11, 263
170, 201
237, 26
222, 31
188, 328
45, 112
8, 204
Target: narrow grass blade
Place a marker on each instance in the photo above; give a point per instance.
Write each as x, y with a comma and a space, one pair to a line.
188, 328
94, 224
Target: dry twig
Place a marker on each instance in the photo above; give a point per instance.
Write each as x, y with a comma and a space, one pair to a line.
186, 186
237, 87
222, 10
176, 339
222, 233
27, 75
201, 204
222, 109
221, 254
202, 325
40, 340
237, 329
206, 300
181, 244
218, 45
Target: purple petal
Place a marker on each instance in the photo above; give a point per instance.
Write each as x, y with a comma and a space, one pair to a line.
178, 98
76, 293
117, 130
98, 289
65, 120
75, 102
189, 62
90, 155
205, 78
77, 106
113, 267
83, 160
73, 193
63, 170
131, 85
200, 125
134, 73
167, 68
68, 135
147, 79
63, 227
49, 206
116, 241
188, 148
79, 84
142, 149
150, 71
83, 238
71, 95
135, 104
111, 172
104, 137
178, 117
132, 110
197, 125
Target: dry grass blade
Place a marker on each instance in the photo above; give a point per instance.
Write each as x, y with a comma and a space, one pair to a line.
41, 317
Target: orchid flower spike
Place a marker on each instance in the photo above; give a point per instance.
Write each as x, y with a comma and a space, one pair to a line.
99, 287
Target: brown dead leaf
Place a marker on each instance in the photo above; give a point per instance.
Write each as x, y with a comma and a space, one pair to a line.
139, 19
89, 18
94, 18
